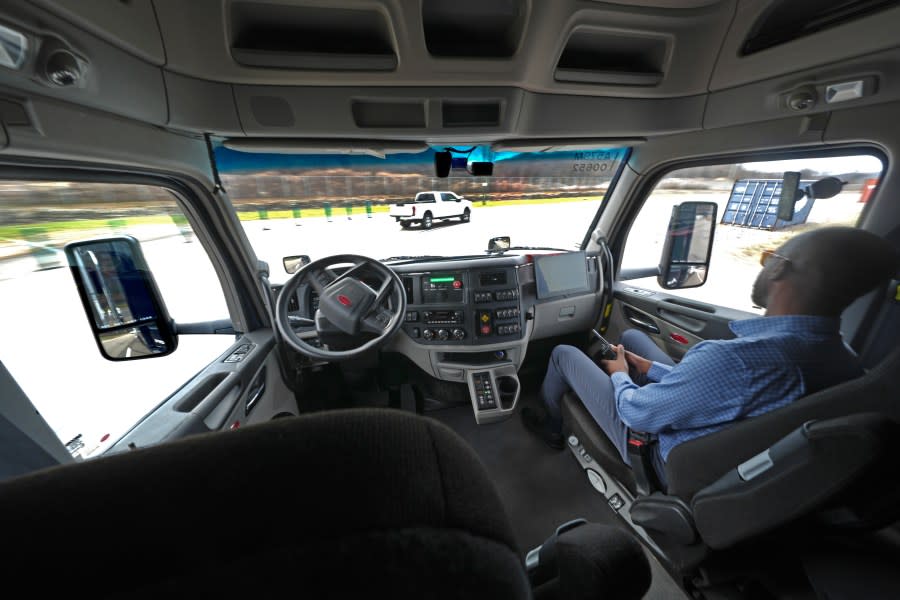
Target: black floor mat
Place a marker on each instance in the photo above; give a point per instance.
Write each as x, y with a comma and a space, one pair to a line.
541, 488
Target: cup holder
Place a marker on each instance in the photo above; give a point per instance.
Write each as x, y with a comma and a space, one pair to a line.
507, 388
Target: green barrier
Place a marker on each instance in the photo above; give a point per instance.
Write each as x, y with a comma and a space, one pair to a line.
263, 214
327, 207
349, 209
295, 210
369, 209
116, 224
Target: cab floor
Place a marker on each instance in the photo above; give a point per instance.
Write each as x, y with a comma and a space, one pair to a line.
541, 488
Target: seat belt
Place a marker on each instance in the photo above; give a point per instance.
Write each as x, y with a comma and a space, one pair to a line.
641, 447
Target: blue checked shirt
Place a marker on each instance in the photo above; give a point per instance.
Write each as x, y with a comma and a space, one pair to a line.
772, 362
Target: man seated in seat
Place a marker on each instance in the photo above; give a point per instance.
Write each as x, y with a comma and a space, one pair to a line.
794, 350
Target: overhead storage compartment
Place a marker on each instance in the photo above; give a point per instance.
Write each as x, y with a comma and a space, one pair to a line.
597, 56
283, 36
788, 20
473, 28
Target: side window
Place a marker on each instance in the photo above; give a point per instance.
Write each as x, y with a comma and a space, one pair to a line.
447, 197
47, 343
742, 230
425, 198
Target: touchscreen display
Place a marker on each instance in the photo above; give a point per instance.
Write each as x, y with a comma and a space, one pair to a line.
560, 274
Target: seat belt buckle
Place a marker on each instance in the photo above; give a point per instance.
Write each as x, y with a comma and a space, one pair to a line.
640, 441
640, 454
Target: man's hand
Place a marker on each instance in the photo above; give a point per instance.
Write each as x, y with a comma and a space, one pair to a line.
640, 364
617, 365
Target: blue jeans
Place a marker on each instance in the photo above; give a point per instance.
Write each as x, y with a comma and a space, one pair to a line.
572, 369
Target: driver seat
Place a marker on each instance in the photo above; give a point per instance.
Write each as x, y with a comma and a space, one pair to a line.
742, 482
344, 503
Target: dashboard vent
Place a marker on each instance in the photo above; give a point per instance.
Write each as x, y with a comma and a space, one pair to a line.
598, 56
787, 20
408, 287
473, 28
313, 38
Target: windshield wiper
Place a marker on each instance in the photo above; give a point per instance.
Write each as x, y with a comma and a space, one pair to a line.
423, 257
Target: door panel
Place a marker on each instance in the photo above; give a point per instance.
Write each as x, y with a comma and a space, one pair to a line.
242, 386
673, 323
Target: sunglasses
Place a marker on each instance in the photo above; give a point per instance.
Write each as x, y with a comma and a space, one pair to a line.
767, 254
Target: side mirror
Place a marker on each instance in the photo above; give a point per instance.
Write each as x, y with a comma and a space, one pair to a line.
686, 253
123, 305
792, 192
292, 264
498, 244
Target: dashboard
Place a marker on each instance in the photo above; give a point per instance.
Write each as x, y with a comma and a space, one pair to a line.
470, 319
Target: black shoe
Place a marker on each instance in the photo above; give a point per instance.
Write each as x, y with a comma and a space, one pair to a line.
538, 423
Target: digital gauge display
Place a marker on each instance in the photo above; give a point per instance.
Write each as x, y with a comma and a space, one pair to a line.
443, 287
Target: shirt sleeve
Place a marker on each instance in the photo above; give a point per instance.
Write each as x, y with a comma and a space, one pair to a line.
657, 371
705, 388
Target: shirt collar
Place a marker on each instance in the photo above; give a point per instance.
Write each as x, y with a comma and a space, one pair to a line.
786, 324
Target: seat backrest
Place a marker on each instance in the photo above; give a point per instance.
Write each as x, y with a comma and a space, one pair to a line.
365, 503
697, 463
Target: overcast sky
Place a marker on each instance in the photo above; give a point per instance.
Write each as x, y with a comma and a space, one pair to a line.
836, 164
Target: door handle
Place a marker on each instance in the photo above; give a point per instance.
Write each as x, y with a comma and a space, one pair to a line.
257, 389
643, 324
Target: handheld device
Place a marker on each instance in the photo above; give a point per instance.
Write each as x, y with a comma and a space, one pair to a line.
601, 347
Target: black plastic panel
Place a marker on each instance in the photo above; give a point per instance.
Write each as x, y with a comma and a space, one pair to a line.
473, 28
305, 37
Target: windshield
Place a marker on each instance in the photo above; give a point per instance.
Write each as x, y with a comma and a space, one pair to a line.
325, 204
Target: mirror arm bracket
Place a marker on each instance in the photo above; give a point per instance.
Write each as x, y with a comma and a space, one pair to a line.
219, 326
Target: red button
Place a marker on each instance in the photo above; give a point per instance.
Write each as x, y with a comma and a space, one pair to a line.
344, 300
486, 330
457, 284
679, 338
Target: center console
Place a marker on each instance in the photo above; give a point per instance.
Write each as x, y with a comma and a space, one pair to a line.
464, 307
467, 324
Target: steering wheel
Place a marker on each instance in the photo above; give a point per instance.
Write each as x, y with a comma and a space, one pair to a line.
350, 310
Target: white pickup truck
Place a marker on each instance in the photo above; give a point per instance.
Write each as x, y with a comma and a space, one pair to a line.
428, 207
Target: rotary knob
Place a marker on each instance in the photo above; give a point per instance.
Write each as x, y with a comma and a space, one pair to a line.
458, 334
428, 334
443, 334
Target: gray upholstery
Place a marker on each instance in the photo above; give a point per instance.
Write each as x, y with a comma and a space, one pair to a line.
699, 462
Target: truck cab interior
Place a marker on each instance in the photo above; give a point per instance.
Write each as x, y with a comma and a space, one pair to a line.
229, 364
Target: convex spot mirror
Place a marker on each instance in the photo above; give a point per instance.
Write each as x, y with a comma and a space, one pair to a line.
498, 244
292, 264
123, 305
686, 252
